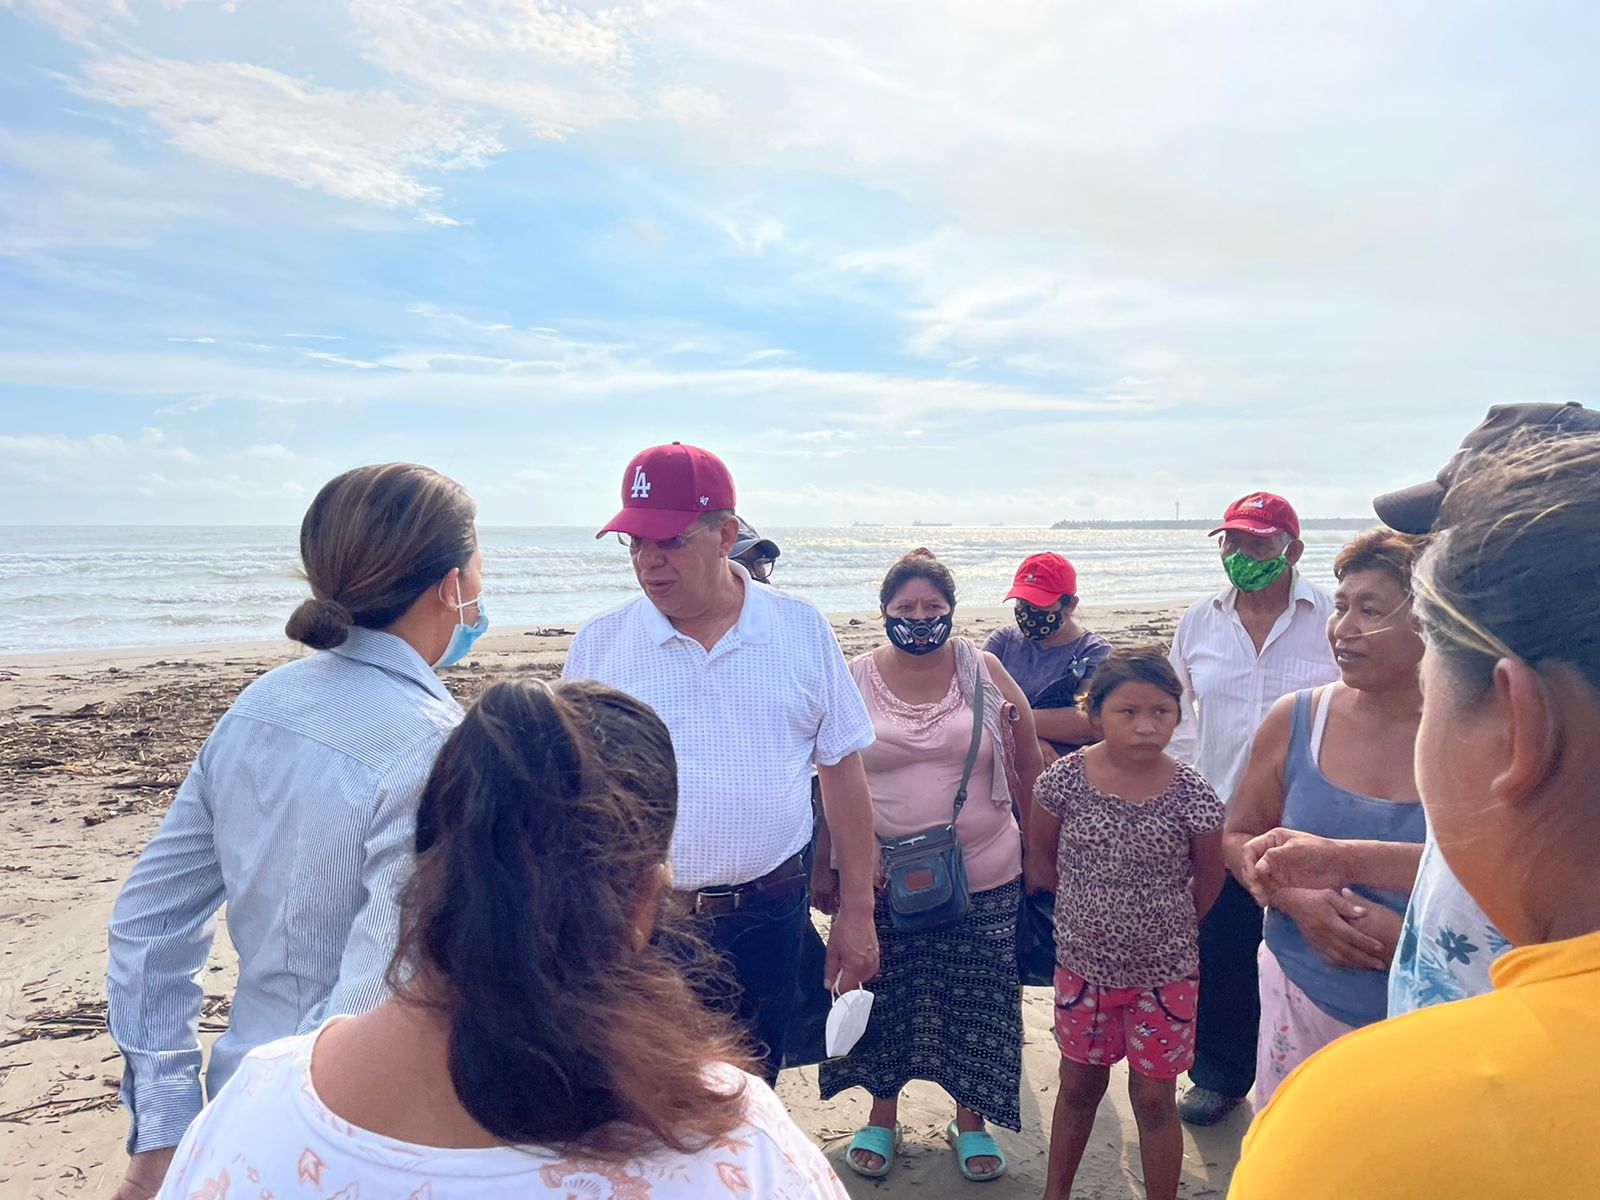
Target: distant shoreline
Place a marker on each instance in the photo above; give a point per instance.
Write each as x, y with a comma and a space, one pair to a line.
1209, 523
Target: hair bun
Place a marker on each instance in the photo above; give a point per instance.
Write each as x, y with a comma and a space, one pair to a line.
320, 624
921, 552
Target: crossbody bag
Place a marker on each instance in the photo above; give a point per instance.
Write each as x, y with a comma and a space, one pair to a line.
925, 875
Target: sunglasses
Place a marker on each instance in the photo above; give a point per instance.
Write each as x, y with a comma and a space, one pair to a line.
636, 544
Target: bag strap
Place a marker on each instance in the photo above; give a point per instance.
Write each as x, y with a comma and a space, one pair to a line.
977, 735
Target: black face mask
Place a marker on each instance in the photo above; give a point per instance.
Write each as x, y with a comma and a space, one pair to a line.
922, 636
1037, 624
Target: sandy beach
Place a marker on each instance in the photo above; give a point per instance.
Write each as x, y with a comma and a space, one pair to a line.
92, 746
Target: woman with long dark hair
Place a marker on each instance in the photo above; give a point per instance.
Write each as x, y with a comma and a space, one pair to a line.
540, 1041
299, 811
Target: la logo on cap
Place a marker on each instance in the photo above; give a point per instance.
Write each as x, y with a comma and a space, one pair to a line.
641, 485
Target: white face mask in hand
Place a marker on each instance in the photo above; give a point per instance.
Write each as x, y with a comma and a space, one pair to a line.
847, 1020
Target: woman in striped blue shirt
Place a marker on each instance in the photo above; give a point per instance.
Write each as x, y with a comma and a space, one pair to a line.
299, 813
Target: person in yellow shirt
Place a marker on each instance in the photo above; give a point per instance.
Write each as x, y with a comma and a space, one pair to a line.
1490, 1097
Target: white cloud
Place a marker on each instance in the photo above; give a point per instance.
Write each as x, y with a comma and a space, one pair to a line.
62, 191
434, 313
270, 452
101, 474
557, 69
75, 20
186, 406
342, 360
367, 146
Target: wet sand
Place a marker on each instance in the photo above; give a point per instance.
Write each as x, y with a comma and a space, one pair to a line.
92, 747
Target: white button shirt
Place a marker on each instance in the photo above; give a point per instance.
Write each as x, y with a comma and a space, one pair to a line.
748, 719
1228, 687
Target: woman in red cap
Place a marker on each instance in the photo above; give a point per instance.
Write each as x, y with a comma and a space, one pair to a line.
1048, 653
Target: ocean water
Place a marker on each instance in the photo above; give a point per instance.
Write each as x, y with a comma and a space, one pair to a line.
69, 588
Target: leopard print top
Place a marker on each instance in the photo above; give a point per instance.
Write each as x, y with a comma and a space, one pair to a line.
1124, 912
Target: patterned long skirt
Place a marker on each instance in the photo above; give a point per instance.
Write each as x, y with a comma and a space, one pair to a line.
950, 1010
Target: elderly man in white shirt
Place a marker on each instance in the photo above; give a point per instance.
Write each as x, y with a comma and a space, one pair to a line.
754, 689
1263, 637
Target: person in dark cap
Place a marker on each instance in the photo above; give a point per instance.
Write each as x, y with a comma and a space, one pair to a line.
754, 553
1416, 508
1447, 942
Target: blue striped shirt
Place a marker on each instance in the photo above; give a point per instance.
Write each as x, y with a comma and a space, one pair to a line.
300, 814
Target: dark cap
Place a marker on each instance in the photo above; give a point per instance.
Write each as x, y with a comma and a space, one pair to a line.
749, 539
1415, 509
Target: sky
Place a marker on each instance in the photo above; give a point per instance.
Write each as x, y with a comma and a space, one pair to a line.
947, 261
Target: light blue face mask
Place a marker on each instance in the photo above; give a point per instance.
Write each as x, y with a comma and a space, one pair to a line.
462, 637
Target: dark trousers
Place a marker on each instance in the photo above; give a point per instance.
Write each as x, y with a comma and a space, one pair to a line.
760, 948
1230, 993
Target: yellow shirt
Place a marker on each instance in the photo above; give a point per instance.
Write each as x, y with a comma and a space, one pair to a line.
1488, 1098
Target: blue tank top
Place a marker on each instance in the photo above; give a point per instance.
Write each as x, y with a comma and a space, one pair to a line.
1313, 804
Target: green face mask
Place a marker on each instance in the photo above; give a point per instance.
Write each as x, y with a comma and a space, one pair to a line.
1252, 574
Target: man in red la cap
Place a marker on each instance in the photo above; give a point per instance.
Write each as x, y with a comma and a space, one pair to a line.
1048, 653
754, 689
1260, 638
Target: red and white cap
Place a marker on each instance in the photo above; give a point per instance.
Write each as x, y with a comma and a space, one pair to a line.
666, 489
1042, 579
1260, 513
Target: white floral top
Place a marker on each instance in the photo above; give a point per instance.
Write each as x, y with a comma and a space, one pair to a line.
268, 1136
1446, 943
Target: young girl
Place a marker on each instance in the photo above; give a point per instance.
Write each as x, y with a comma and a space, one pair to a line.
1138, 862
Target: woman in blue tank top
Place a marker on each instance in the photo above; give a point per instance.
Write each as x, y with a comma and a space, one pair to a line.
1336, 762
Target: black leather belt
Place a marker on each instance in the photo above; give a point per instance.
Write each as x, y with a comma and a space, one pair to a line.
788, 878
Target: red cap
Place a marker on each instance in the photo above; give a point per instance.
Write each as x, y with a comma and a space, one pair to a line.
1042, 579
666, 489
1260, 513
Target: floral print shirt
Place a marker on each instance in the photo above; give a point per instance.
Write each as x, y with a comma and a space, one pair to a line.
268, 1136
1446, 943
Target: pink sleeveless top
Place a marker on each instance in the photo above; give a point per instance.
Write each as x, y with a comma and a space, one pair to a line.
915, 766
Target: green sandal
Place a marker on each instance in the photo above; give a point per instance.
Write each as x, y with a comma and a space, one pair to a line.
975, 1143
874, 1139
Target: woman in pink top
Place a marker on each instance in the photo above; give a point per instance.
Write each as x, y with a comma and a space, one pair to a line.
947, 999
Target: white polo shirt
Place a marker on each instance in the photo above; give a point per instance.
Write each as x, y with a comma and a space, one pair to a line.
748, 719
1228, 687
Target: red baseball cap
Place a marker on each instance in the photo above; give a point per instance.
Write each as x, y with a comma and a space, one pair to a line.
1260, 513
1042, 579
666, 489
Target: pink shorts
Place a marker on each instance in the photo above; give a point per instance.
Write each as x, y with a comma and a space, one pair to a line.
1153, 1028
